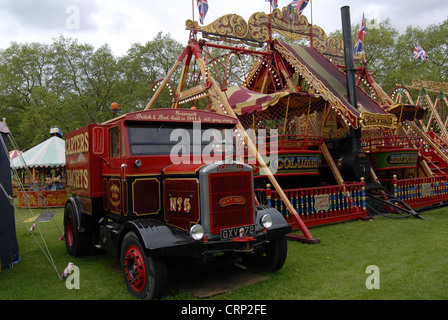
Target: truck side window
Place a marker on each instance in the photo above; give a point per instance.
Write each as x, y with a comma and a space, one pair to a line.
114, 138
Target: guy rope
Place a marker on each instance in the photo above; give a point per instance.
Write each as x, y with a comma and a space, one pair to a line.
42, 243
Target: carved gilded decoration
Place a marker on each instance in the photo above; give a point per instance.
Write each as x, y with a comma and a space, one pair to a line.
432, 85
287, 22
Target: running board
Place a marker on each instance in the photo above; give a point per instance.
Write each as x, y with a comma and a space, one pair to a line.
380, 201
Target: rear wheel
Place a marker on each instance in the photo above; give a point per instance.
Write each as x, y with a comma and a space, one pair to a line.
77, 243
145, 277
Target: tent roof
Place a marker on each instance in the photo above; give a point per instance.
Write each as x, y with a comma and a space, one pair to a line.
407, 111
50, 153
244, 100
331, 83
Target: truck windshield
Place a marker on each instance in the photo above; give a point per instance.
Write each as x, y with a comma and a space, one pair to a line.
169, 139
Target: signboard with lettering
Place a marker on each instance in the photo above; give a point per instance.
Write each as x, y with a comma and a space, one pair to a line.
394, 159
291, 164
181, 115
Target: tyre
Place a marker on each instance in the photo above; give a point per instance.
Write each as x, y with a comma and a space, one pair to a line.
145, 277
272, 256
77, 243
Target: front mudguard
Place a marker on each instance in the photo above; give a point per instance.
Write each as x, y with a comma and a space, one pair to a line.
160, 240
278, 221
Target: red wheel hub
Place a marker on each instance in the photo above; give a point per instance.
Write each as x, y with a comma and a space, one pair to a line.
135, 269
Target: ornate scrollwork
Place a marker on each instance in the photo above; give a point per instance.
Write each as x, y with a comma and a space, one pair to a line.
287, 22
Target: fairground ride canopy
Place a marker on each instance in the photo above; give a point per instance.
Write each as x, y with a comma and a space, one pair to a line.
310, 62
330, 82
50, 153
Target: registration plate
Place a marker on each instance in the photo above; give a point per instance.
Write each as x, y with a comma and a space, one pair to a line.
240, 232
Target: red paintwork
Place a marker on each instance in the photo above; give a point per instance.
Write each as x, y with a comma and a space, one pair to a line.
135, 191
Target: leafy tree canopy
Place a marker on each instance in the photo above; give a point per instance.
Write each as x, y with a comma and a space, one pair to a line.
70, 84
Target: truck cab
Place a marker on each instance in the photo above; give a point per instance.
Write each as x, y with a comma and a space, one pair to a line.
157, 185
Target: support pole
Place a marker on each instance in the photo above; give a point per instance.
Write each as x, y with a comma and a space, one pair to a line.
216, 93
306, 233
167, 78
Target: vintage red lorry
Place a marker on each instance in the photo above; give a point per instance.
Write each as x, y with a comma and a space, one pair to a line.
154, 186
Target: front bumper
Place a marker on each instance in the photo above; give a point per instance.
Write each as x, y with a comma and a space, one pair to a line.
246, 244
185, 246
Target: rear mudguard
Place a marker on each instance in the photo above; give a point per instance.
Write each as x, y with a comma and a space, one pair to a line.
83, 220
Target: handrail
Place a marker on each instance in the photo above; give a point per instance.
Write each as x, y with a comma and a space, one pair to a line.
320, 205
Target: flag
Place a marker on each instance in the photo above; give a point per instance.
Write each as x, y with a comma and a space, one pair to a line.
419, 53
359, 38
203, 8
274, 3
299, 5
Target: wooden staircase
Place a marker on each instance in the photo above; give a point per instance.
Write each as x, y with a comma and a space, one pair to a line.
436, 164
436, 154
434, 150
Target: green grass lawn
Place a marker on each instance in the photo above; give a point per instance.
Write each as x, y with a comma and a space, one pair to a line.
411, 255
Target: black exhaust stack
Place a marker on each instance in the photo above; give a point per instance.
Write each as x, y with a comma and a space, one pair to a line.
355, 164
348, 56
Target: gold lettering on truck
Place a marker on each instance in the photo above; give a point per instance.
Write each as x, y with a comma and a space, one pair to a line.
77, 144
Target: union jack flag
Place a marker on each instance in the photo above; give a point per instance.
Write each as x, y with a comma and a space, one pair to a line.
203, 8
299, 5
419, 53
361, 33
274, 3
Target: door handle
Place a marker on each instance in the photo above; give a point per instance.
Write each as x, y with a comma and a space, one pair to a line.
123, 172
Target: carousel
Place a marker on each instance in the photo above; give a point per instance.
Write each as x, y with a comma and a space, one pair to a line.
39, 181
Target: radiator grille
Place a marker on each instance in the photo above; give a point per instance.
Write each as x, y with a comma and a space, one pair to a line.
231, 200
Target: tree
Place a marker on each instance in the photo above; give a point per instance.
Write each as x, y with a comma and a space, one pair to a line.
390, 54
68, 84
89, 79
26, 76
142, 66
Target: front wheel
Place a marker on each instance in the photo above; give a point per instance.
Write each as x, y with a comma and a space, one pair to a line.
271, 257
145, 277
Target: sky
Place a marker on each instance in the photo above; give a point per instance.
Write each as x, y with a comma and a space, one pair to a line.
119, 23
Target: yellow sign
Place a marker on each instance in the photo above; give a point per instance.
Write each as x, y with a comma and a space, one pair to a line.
378, 120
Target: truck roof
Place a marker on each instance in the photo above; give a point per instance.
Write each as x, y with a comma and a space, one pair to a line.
177, 116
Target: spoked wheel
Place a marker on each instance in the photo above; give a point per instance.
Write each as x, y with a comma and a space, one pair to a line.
145, 277
400, 94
